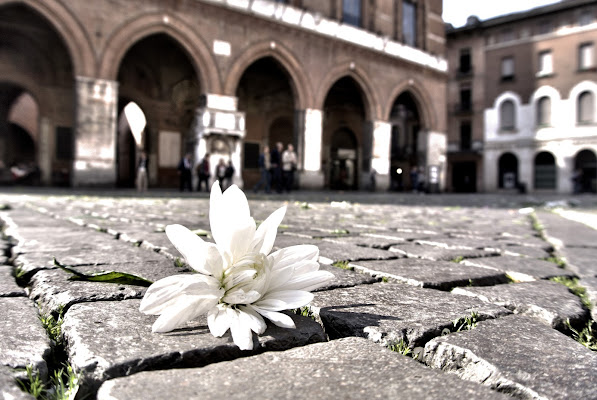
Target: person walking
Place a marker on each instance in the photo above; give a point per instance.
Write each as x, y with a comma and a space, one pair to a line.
264, 167
288, 167
204, 172
220, 172
142, 167
229, 175
276, 167
184, 173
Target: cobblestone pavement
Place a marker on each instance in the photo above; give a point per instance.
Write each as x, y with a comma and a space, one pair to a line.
415, 270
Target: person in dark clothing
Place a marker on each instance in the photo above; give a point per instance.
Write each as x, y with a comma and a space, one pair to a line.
184, 173
204, 172
229, 175
276, 167
264, 168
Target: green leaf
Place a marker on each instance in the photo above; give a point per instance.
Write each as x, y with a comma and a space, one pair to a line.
122, 278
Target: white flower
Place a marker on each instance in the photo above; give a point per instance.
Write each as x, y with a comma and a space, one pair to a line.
238, 281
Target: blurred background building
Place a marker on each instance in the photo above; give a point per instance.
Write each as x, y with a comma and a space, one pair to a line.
355, 85
522, 101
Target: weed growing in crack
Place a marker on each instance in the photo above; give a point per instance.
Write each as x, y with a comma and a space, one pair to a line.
457, 259
574, 287
178, 262
305, 312
400, 347
32, 384
467, 323
587, 336
556, 260
53, 326
385, 279
343, 265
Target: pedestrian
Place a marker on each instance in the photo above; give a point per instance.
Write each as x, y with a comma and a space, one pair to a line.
204, 172
414, 178
276, 167
577, 181
421, 180
264, 167
184, 173
142, 167
288, 167
229, 175
220, 172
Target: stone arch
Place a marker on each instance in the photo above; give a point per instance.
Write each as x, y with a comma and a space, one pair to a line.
372, 105
71, 31
299, 82
422, 99
131, 32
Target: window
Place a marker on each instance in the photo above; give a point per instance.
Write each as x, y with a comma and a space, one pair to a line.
507, 68
465, 99
585, 56
507, 118
506, 35
545, 63
586, 108
409, 23
544, 27
544, 111
465, 135
465, 61
351, 12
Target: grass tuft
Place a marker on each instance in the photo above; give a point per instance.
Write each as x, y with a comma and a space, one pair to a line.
574, 287
343, 265
467, 323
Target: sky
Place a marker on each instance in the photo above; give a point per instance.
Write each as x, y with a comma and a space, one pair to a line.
457, 11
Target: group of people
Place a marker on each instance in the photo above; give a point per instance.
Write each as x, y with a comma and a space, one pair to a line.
223, 172
277, 167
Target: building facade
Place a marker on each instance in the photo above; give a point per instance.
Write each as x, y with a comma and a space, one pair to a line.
354, 85
532, 90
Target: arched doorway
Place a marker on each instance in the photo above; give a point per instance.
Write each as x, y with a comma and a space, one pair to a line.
157, 73
265, 93
407, 153
36, 65
545, 171
585, 164
508, 171
343, 125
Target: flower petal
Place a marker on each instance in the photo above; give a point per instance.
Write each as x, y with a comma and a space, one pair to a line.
218, 321
267, 231
202, 257
284, 300
309, 282
294, 254
279, 319
240, 330
241, 297
253, 319
186, 308
163, 293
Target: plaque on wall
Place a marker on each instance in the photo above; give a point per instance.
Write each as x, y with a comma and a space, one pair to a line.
169, 149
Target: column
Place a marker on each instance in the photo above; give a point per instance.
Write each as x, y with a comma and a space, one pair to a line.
311, 176
45, 150
380, 156
437, 146
95, 134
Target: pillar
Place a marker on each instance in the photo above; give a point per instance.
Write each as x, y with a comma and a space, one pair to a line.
380, 157
310, 135
95, 132
45, 150
437, 146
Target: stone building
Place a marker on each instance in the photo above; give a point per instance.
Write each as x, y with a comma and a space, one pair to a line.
355, 85
522, 101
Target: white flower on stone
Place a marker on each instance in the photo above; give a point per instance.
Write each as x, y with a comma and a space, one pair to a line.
238, 282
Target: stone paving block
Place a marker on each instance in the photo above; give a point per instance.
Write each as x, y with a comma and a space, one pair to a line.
388, 312
286, 240
24, 340
521, 268
547, 301
349, 252
351, 368
581, 260
378, 241
59, 239
442, 275
413, 250
345, 277
9, 387
52, 290
565, 233
8, 285
112, 339
520, 356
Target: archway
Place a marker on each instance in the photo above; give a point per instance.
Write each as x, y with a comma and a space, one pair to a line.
508, 171
585, 165
343, 132
545, 171
157, 73
37, 88
407, 151
266, 97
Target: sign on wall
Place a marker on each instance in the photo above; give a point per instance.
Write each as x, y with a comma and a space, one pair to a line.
169, 149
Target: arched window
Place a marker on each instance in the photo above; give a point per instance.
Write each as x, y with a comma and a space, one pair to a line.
586, 108
544, 111
507, 117
507, 171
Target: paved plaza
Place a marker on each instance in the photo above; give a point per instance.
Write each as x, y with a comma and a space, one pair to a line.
470, 284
